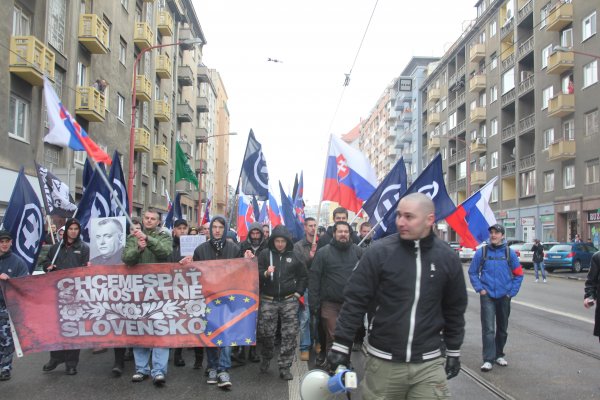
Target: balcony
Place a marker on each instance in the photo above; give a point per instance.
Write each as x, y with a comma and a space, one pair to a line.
477, 114
143, 36
525, 48
507, 28
561, 150
93, 33
407, 156
508, 133
185, 113
30, 60
525, 11
561, 105
165, 23
201, 166
201, 135
479, 145
142, 140
160, 155
560, 16
477, 52
406, 115
433, 143
560, 62
162, 111
461, 155
508, 169
202, 104
508, 98
434, 94
526, 124
508, 62
478, 177
526, 85
203, 73
477, 83
185, 75
527, 162
406, 136
163, 66
90, 104
433, 119
460, 99
143, 88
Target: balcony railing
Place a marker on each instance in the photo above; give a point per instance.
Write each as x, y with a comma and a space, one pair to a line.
508, 133
30, 59
461, 155
477, 52
201, 166
434, 143
143, 36
164, 66
477, 114
507, 28
508, 97
142, 140
526, 85
526, 124
508, 168
527, 162
160, 155
478, 177
93, 33
143, 88
478, 145
433, 119
90, 104
525, 10
434, 94
201, 135
165, 23
508, 62
461, 127
561, 105
560, 62
525, 48
461, 184
202, 103
185, 113
562, 150
162, 111
203, 73
185, 75
460, 99
560, 16
477, 83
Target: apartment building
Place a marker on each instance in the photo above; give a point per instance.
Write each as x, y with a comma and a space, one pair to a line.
377, 137
518, 92
76, 43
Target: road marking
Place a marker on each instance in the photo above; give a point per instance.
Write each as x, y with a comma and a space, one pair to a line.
550, 310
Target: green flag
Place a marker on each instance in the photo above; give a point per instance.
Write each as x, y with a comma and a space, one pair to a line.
183, 169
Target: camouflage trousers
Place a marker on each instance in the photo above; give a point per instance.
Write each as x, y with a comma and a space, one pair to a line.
287, 310
7, 346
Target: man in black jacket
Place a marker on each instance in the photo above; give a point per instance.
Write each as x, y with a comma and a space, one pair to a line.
340, 214
282, 282
414, 285
72, 253
330, 271
538, 259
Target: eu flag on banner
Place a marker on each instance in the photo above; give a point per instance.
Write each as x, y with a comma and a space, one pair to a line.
231, 319
254, 177
387, 193
95, 203
289, 216
174, 212
119, 186
23, 219
430, 183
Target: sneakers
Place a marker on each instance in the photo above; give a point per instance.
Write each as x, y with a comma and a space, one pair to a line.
536, 281
5, 375
159, 380
212, 377
138, 377
224, 380
544, 280
285, 374
501, 361
304, 355
487, 366
264, 364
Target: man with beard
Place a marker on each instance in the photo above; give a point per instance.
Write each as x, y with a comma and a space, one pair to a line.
254, 244
330, 271
218, 248
72, 253
339, 214
180, 228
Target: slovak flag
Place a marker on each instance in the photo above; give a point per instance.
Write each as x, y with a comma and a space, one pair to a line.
349, 177
299, 199
273, 210
473, 217
206, 217
245, 216
65, 131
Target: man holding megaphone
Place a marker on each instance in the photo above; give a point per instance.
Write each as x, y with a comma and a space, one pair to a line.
412, 284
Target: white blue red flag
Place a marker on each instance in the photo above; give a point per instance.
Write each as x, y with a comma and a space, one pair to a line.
349, 177
206, 217
299, 199
273, 211
245, 216
263, 217
174, 211
473, 217
65, 131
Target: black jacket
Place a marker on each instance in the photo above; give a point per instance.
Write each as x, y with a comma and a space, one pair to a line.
290, 274
538, 253
13, 266
407, 318
328, 236
247, 244
592, 288
208, 250
69, 256
331, 268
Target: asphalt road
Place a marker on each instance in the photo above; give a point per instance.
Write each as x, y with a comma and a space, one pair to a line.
551, 352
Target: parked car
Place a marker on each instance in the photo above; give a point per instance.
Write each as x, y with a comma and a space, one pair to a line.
466, 254
574, 256
455, 246
525, 254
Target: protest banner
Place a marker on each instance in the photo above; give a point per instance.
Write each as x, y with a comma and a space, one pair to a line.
201, 304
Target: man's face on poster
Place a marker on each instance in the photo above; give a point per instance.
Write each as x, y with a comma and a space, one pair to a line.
108, 239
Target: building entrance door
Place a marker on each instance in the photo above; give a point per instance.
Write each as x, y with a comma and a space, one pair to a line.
528, 233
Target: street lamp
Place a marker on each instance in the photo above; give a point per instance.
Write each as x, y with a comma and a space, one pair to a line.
564, 49
187, 42
200, 216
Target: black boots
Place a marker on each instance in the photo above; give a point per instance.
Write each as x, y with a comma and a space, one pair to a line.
285, 374
178, 360
264, 364
252, 356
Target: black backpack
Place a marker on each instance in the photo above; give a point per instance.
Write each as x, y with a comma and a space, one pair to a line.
484, 257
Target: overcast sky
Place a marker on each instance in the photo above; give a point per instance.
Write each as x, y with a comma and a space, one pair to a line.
291, 105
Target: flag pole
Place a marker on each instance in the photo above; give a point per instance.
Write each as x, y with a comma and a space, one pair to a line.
371, 231
50, 229
322, 189
113, 192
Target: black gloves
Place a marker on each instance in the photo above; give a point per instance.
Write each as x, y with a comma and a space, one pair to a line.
336, 358
452, 367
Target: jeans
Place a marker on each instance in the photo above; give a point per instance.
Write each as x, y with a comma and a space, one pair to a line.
219, 358
160, 360
539, 265
304, 319
494, 325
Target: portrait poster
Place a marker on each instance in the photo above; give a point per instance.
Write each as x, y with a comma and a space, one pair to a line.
107, 240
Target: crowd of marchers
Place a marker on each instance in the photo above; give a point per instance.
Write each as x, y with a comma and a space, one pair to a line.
400, 299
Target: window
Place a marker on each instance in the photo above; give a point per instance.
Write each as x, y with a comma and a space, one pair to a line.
123, 52
494, 127
588, 26
569, 130
483, 131
143, 193
547, 94
592, 171
444, 153
494, 196
590, 73
591, 123
493, 62
462, 170
544, 11
82, 74
549, 181
569, 176
109, 25
566, 38
566, 84
18, 123
473, 134
494, 160
120, 107
144, 163
154, 182
482, 99
452, 121
493, 94
79, 157
21, 22
546, 51
548, 137
528, 184
145, 114
163, 186
56, 24
508, 81
493, 29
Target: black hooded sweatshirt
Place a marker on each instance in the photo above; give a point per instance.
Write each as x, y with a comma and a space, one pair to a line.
290, 276
217, 249
70, 255
247, 244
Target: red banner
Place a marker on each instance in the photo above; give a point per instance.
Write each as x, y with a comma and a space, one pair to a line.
206, 304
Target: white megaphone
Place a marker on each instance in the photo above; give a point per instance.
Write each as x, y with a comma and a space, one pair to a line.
319, 385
